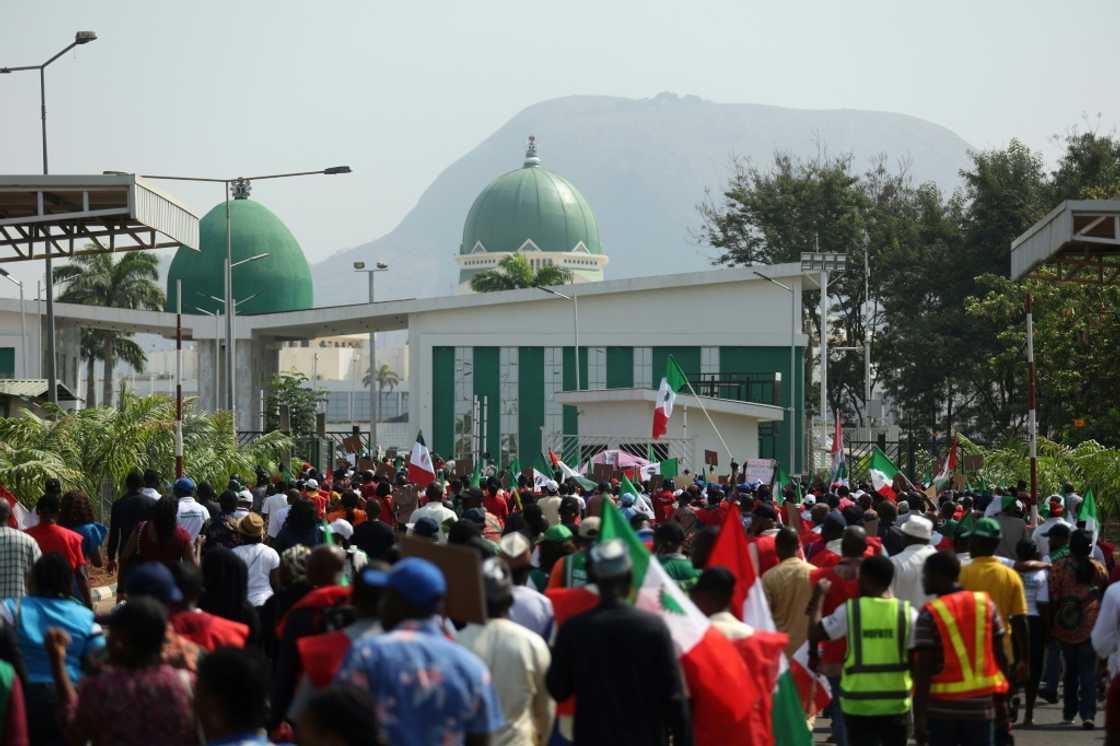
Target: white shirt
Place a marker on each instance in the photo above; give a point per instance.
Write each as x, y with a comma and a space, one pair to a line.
730, 627
276, 518
518, 661
532, 610
907, 583
439, 513
1106, 630
261, 560
1036, 587
1041, 534
836, 624
192, 514
274, 502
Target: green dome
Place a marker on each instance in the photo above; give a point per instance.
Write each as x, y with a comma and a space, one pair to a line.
281, 280
531, 203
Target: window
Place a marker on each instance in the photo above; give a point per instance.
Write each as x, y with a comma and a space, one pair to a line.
7, 362
643, 367
596, 368
464, 400
553, 384
508, 377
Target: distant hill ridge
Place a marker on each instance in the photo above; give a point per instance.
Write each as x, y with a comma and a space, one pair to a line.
643, 165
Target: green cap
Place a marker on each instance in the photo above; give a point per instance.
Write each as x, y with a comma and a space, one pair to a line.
559, 532
986, 528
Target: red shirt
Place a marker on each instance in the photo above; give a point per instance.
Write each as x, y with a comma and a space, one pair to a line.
767, 554
54, 538
663, 506
497, 505
834, 651
209, 631
319, 501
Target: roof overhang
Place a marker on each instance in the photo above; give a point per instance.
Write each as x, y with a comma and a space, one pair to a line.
74, 215
760, 412
1078, 241
34, 388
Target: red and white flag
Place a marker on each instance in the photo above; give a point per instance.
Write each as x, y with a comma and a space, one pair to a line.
420, 469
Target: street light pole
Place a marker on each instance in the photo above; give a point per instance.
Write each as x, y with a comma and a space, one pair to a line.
374, 394
575, 323
242, 183
792, 368
81, 37
22, 323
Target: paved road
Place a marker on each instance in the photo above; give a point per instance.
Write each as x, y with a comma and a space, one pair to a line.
1049, 730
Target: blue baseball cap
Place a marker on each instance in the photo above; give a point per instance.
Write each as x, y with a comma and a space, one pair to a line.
183, 484
155, 580
418, 580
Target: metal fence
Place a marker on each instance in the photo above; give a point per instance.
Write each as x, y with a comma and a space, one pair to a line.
580, 449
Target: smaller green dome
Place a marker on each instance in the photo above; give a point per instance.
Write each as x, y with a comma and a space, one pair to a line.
530, 204
280, 281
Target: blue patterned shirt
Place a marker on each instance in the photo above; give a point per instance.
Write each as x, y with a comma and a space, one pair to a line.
428, 689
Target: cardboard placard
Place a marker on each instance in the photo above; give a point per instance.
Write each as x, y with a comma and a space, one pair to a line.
364, 464
759, 469
602, 473
464, 467
387, 471
405, 501
352, 443
711, 458
462, 570
391, 453
655, 482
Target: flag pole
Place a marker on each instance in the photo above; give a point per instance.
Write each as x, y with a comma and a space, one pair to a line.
705, 411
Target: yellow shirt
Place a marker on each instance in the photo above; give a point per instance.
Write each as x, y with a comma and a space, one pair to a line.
788, 591
1005, 587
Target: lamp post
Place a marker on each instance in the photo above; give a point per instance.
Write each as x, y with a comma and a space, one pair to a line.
374, 406
81, 37
575, 322
22, 323
217, 354
824, 263
792, 367
242, 185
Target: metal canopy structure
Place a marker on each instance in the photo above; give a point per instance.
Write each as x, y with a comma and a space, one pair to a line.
1078, 241
74, 215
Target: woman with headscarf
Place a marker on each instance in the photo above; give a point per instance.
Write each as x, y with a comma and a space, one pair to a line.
1077, 583
225, 590
77, 515
289, 584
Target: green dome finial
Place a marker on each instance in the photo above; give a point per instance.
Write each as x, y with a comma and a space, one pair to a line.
531, 157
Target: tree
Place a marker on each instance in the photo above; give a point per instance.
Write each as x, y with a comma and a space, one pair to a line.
100, 280
514, 272
771, 216
387, 378
292, 391
93, 344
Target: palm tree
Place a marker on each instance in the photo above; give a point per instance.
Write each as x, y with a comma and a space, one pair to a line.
93, 349
100, 280
514, 272
387, 378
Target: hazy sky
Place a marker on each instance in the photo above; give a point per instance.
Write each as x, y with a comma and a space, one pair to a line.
398, 90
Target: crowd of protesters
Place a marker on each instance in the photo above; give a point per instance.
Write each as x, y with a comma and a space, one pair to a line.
284, 612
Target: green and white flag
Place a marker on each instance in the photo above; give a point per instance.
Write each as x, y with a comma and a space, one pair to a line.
667, 469
781, 481
542, 473
1088, 513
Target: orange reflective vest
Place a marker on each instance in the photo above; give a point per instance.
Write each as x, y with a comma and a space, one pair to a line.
964, 622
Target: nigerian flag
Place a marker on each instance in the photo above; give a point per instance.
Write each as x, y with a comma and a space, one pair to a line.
1088, 513
626, 486
476, 475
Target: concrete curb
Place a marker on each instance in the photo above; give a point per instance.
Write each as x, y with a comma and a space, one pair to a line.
103, 593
